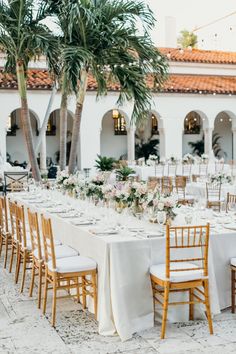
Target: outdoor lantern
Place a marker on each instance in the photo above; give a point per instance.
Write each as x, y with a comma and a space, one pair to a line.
115, 114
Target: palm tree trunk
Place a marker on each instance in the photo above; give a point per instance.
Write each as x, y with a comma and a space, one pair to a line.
43, 129
25, 121
77, 121
63, 124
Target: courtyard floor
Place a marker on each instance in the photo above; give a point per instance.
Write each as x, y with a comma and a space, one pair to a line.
23, 329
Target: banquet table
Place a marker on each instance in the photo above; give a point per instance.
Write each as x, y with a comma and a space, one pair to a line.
198, 189
125, 304
150, 171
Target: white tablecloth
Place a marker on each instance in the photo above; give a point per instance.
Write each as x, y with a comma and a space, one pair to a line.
198, 189
150, 171
125, 302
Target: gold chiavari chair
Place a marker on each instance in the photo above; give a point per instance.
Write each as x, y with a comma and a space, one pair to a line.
231, 199
65, 273
14, 240
37, 257
159, 170
182, 272
233, 283
213, 195
203, 169
24, 254
195, 178
186, 171
5, 235
166, 185
180, 187
154, 183
172, 170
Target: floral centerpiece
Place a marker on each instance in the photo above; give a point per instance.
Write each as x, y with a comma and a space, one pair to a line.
164, 203
221, 177
188, 159
61, 177
173, 160
204, 158
152, 160
138, 196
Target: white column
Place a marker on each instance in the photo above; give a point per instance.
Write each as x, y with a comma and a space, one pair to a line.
208, 141
162, 149
131, 143
43, 155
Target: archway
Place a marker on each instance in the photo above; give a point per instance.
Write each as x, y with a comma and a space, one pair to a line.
16, 149
222, 136
149, 137
114, 134
53, 135
195, 122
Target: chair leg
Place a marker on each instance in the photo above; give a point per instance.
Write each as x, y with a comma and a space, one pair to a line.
232, 290
94, 282
32, 279
24, 271
18, 262
84, 292
45, 292
12, 257
191, 306
40, 286
54, 301
6, 251
165, 310
208, 309
1, 243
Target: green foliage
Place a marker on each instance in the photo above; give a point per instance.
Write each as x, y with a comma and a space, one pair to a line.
144, 149
23, 34
187, 39
123, 173
198, 146
104, 34
104, 163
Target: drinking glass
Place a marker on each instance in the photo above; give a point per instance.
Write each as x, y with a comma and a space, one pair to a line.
161, 217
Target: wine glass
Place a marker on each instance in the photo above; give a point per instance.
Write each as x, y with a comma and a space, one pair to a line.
161, 217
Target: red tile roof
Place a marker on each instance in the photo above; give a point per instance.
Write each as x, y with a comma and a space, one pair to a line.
199, 56
176, 83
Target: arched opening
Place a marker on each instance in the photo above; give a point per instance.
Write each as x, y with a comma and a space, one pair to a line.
16, 149
147, 137
193, 133
53, 136
222, 137
114, 134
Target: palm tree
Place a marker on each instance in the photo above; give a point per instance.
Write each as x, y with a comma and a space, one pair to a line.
24, 37
105, 43
198, 146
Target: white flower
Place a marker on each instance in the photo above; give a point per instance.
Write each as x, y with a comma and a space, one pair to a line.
160, 206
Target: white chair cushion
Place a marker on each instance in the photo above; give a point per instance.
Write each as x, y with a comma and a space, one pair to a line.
233, 262
215, 199
61, 251
159, 271
73, 264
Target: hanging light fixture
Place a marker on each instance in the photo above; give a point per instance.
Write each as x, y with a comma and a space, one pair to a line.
115, 114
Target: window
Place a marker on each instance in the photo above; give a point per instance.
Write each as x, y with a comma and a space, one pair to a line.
12, 127
192, 123
119, 123
155, 130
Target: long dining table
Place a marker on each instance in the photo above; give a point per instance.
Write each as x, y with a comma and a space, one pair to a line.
125, 304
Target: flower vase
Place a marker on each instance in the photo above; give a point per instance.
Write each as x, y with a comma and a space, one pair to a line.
137, 208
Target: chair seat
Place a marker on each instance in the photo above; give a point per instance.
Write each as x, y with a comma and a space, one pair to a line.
215, 199
73, 264
233, 262
159, 271
61, 251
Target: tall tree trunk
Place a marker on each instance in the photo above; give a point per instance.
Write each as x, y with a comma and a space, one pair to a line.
43, 129
63, 124
25, 121
77, 120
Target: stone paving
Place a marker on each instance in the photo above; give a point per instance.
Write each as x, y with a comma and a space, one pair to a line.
23, 329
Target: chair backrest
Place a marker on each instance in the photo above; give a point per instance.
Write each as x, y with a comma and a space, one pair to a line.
213, 191
48, 243
172, 170
180, 185
20, 225
153, 183
3, 215
203, 169
187, 244
231, 199
167, 185
34, 233
159, 170
12, 210
186, 170
10, 179
16, 186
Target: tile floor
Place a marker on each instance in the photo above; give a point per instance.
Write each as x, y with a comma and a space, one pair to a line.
23, 329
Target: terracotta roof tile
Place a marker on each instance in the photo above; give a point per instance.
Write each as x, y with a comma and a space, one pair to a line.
176, 83
199, 56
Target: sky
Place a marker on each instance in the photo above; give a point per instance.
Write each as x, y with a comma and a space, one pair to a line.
194, 13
